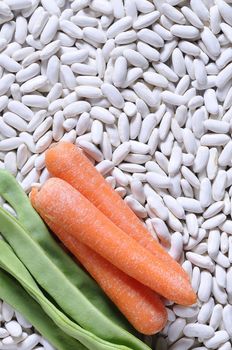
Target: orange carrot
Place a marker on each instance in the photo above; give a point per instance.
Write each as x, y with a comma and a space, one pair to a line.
142, 307
68, 162
58, 202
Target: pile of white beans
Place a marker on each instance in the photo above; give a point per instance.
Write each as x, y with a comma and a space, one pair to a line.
16, 333
145, 88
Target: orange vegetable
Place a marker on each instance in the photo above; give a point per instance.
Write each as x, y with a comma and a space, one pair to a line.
69, 163
58, 202
142, 307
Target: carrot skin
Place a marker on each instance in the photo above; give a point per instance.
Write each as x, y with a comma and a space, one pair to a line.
58, 202
68, 162
142, 307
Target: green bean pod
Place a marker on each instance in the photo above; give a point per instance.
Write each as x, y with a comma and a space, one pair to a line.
54, 281
10, 263
19, 299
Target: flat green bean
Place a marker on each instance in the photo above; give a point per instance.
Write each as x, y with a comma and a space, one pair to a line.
10, 263
12, 292
13, 193
69, 298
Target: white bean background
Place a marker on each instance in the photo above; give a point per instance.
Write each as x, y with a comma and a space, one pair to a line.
145, 88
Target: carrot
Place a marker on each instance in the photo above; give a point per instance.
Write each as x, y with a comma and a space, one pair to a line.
69, 163
58, 202
142, 307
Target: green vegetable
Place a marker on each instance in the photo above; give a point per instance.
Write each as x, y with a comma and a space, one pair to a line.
19, 299
55, 271
10, 263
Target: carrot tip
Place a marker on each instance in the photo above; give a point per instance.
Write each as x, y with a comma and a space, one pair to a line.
33, 194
